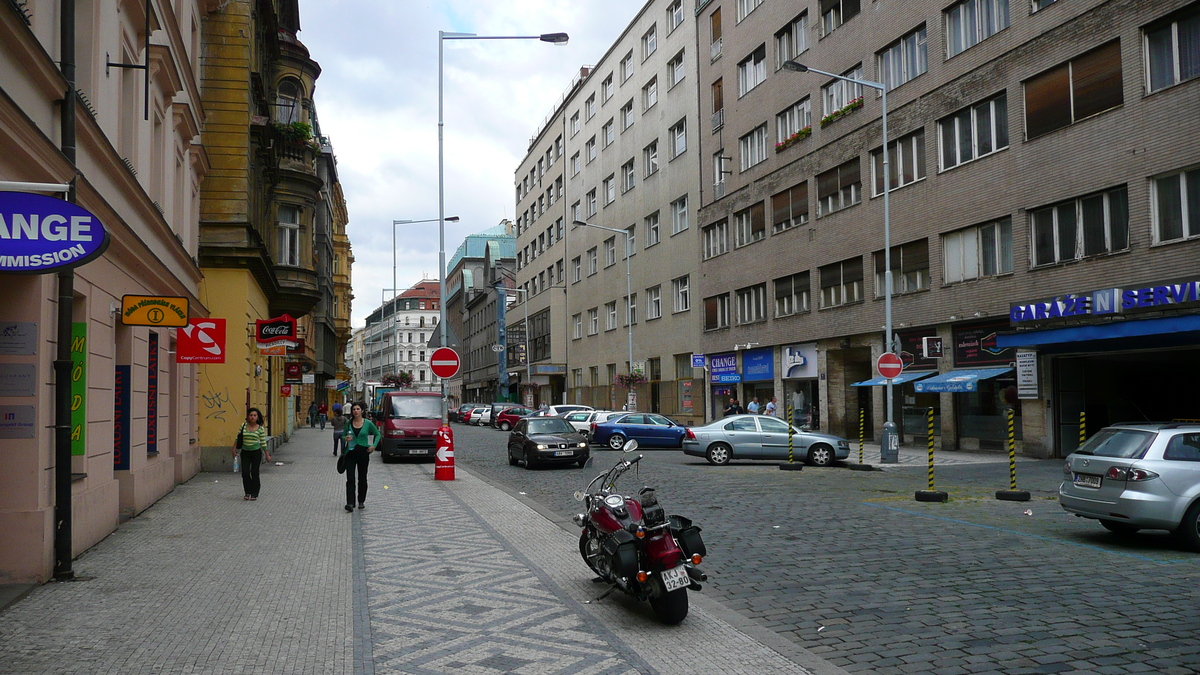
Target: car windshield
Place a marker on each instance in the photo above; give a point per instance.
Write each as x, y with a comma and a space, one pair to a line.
550, 425
1124, 443
416, 407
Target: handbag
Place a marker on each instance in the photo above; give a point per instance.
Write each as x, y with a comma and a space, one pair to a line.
341, 463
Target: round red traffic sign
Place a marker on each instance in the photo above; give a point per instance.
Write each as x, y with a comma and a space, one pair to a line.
889, 365
444, 362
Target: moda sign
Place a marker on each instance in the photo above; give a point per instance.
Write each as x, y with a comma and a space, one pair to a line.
40, 234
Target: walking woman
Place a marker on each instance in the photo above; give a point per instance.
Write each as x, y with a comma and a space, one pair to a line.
254, 446
361, 437
339, 427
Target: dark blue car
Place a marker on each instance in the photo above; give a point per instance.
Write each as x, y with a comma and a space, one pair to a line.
649, 429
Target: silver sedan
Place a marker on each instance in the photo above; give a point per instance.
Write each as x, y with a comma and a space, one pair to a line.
761, 437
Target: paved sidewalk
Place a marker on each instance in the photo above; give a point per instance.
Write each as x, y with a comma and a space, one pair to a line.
433, 577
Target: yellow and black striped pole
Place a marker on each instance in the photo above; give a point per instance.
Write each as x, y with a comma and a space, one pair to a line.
1012, 494
791, 464
862, 432
931, 495
929, 417
1082, 427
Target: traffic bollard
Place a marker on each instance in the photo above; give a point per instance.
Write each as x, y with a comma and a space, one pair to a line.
790, 465
443, 466
1012, 494
1082, 427
931, 495
862, 432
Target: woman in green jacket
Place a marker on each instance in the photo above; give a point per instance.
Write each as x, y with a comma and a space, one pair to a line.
254, 446
361, 437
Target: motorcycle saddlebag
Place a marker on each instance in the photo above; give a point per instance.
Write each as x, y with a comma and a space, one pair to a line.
621, 549
688, 536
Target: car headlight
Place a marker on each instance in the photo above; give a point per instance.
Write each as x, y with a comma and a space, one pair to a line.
843, 444
541, 446
582, 444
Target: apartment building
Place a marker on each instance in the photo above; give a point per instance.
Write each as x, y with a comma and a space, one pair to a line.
620, 295
397, 335
1044, 184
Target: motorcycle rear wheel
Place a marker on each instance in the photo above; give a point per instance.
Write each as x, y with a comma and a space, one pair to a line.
672, 607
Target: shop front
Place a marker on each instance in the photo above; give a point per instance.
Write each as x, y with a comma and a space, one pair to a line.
758, 377
801, 387
723, 378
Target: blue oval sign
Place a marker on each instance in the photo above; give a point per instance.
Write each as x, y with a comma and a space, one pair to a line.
40, 234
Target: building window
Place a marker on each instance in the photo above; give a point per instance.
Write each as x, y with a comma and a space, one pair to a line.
608, 132
650, 94
789, 208
838, 188
595, 375
653, 302
679, 138
576, 212
749, 225
839, 93
837, 12
791, 40
716, 312
593, 321
631, 310
591, 202
675, 71
589, 107
752, 304
841, 283
716, 239
610, 251
610, 189
714, 34
577, 376
1176, 206
906, 162
753, 147
574, 124
1087, 226
679, 290
610, 315
650, 157
606, 89
652, 235
626, 116
1082, 87
718, 169
674, 15
627, 67
649, 42
575, 165
752, 70
903, 60
970, 22
791, 294
910, 268
627, 176
974, 131
978, 251
630, 240
289, 236
1173, 50
679, 215
1042, 4
576, 269
590, 149
744, 7
593, 261
792, 121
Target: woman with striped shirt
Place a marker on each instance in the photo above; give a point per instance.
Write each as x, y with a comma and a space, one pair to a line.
254, 446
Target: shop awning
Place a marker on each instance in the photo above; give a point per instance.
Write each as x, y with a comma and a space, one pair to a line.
1108, 331
904, 377
958, 380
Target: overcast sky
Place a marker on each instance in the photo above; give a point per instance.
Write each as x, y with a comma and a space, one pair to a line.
376, 100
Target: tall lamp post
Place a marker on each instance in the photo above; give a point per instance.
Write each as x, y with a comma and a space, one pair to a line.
553, 38
628, 286
889, 428
395, 293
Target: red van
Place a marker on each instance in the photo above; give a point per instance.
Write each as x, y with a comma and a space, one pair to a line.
408, 421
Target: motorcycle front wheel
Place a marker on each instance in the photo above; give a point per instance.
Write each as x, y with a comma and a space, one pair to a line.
672, 607
584, 538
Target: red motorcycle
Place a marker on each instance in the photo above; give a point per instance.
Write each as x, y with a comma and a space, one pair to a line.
634, 545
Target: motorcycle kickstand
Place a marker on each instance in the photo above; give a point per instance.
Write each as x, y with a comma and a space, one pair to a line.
605, 594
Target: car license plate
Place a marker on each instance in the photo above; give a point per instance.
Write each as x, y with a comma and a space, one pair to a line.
676, 579
563, 453
421, 451
1085, 480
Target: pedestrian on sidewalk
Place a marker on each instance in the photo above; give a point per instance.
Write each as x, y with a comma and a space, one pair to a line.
323, 413
312, 415
361, 437
772, 407
339, 428
752, 407
254, 446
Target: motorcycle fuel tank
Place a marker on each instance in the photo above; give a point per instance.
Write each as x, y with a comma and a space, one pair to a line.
616, 513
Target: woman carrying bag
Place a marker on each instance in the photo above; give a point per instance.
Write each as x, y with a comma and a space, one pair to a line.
252, 441
361, 437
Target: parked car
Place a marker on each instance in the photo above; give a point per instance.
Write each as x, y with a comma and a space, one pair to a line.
481, 416
408, 421
538, 440
508, 417
456, 414
558, 410
1132, 477
582, 420
762, 437
649, 429
469, 416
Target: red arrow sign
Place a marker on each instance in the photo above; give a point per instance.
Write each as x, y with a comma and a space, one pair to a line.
889, 365
444, 362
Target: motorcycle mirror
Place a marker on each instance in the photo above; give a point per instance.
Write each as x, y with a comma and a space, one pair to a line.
630, 445
578, 495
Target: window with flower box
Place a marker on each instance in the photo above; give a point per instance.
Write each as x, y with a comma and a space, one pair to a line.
793, 124
840, 95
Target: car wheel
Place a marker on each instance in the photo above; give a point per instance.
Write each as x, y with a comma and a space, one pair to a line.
1117, 527
1188, 531
530, 462
512, 461
718, 454
505, 426
820, 455
616, 442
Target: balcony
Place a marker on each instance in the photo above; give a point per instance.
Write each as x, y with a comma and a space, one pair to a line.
718, 189
715, 50
718, 120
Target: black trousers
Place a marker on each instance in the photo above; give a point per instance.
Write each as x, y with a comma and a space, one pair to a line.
360, 460
251, 459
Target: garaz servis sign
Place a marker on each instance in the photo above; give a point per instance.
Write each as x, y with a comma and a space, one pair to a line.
1108, 301
40, 234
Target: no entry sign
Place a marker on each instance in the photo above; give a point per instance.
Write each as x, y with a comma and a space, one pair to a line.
444, 362
889, 365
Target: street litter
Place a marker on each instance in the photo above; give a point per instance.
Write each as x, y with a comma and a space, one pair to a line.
821, 629
520, 493
385, 487
1029, 512
278, 463
774, 527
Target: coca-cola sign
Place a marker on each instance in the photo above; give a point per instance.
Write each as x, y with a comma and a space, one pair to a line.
280, 330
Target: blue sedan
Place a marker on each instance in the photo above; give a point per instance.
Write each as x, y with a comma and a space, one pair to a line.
650, 430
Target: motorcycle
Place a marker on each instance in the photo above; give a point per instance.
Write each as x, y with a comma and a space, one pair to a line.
634, 545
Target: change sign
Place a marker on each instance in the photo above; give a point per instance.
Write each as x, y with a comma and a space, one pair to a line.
40, 234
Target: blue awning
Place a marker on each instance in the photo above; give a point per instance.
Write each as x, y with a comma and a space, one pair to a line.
1108, 331
904, 377
958, 380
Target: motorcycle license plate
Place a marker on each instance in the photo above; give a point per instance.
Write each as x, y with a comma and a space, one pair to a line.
421, 451
563, 453
676, 579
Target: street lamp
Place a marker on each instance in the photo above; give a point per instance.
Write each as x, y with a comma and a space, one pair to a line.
889, 428
553, 38
628, 287
395, 292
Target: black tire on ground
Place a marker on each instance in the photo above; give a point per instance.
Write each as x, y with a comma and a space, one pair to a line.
672, 607
512, 461
718, 454
582, 463
530, 462
1117, 527
1188, 532
505, 426
616, 442
820, 455
385, 458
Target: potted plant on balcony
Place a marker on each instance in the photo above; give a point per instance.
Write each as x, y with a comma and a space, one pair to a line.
793, 139
297, 134
842, 112
631, 380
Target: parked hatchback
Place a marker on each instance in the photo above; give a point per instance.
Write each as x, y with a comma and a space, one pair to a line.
508, 417
1132, 477
762, 437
